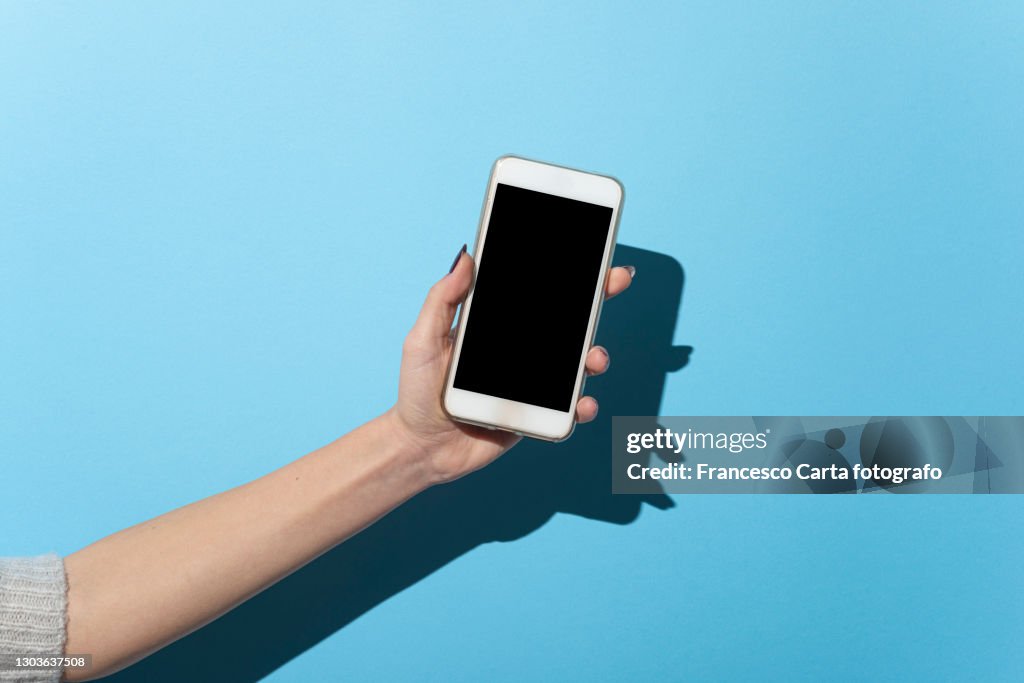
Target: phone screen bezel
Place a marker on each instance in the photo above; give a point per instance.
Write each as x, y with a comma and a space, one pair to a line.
514, 416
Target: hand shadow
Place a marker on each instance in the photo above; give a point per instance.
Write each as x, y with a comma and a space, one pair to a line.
507, 500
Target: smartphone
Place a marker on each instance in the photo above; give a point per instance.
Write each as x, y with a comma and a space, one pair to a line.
542, 253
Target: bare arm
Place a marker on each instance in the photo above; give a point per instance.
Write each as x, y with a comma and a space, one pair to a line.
139, 589
135, 591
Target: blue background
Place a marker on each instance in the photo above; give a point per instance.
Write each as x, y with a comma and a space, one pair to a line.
218, 222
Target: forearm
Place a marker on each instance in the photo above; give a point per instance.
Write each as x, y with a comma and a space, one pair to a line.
139, 589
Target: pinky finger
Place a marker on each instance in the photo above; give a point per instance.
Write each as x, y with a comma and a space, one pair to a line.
586, 409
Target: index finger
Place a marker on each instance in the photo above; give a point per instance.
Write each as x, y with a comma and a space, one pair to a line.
619, 279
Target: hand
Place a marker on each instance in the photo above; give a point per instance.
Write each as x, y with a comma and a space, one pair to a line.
453, 449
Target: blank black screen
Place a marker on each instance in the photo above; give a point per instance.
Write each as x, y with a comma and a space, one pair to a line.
538, 268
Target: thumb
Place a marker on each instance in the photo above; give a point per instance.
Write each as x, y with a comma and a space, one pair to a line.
438, 312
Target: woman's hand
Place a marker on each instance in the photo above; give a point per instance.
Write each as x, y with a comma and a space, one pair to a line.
178, 571
453, 449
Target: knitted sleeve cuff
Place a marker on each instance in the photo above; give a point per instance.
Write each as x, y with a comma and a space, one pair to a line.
33, 613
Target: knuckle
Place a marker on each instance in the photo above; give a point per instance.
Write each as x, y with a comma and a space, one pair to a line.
411, 343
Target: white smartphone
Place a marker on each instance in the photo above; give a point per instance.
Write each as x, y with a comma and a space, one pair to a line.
542, 255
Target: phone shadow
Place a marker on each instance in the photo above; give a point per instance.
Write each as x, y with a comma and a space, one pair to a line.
511, 498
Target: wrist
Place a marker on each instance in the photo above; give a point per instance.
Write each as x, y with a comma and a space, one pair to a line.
415, 453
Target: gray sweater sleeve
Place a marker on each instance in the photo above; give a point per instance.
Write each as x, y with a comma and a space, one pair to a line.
33, 615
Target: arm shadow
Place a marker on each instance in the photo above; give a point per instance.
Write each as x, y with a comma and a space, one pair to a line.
503, 502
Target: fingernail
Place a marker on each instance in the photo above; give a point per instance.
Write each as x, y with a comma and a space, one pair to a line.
457, 257
607, 358
631, 270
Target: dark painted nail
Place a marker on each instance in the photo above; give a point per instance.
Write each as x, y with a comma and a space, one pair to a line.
631, 270
457, 257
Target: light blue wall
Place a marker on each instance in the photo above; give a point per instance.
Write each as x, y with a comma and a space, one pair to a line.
217, 222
